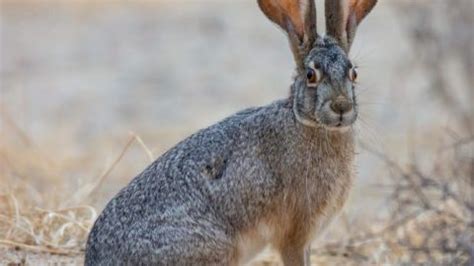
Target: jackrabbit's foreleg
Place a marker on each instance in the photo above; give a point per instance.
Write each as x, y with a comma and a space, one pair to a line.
295, 251
294, 256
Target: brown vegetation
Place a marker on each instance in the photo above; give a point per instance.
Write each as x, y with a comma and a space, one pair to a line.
430, 207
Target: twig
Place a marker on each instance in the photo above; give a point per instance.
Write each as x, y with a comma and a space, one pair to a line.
62, 216
418, 192
11, 123
145, 148
39, 248
112, 166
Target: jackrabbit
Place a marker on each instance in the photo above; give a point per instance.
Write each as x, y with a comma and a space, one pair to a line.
272, 175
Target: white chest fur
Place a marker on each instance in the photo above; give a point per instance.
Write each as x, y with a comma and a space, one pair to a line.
253, 242
320, 211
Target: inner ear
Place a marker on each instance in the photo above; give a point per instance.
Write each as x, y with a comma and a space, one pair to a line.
298, 19
284, 13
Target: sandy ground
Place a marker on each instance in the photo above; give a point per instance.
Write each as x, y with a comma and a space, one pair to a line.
18, 257
79, 77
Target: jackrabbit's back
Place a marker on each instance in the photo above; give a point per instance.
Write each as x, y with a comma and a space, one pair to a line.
215, 180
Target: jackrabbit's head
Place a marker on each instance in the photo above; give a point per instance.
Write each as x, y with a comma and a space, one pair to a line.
323, 92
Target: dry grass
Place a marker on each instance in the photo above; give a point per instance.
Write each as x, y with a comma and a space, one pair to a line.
38, 209
46, 213
431, 211
30, 214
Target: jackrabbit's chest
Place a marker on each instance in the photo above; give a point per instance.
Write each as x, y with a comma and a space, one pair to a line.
326, 202
316, 196
302, 213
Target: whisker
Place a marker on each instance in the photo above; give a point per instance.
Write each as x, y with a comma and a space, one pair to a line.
371, 103
361, 55
366, 136
369, 129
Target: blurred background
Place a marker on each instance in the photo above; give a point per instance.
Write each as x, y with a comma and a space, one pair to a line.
93, 91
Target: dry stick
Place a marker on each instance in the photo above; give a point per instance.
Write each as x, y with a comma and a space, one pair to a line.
40, 248
64, 217
92, 211
30, 233
458, 143
446, 192
134, 137
399, 222
16, 209
112, 166
419, 194
145, 148
27, 141
76, 208
11, 123
371, 236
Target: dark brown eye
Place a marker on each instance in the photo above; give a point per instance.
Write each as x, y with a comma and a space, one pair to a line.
311, 76
353, 74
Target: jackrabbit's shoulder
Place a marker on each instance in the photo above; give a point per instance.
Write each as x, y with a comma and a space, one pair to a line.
257, 115
232, 128
202, 154
214, 144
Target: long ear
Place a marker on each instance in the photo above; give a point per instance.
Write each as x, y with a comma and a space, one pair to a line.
298, 19
343, 17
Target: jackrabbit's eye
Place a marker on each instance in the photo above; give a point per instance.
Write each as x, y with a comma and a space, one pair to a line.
312, 76
353, 74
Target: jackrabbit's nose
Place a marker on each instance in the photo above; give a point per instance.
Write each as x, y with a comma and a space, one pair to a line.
341, 106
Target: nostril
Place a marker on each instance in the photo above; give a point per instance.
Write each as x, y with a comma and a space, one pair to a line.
341, 107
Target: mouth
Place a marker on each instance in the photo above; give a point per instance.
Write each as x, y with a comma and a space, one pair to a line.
340, 127
340, 123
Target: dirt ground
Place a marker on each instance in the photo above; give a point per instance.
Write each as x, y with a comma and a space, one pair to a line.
18, 257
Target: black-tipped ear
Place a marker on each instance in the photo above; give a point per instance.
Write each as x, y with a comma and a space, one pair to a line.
298, 19
310, 19
343, 17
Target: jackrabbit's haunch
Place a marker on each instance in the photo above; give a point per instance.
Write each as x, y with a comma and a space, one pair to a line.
273, 175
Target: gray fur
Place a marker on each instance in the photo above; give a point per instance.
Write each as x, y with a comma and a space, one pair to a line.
275, 174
